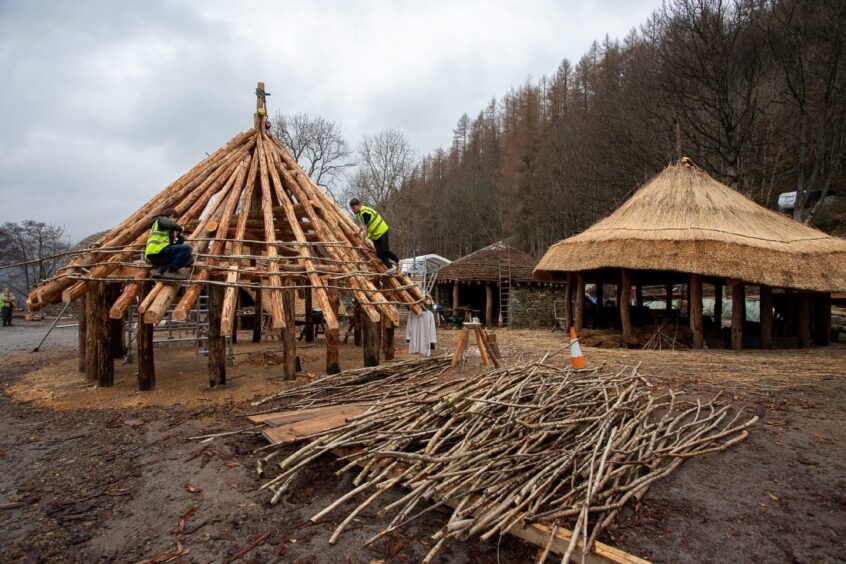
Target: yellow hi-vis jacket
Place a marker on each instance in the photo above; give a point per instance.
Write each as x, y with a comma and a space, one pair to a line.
157, 240
377, 226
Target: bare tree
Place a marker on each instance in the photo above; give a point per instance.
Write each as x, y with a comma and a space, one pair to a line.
386, 161
34, 241
317, 144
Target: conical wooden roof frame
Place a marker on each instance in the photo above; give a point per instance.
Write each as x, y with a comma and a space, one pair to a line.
255, 221
684, 220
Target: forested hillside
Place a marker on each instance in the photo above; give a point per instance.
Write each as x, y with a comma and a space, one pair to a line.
758, 90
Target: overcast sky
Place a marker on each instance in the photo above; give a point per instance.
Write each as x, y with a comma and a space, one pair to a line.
104, 103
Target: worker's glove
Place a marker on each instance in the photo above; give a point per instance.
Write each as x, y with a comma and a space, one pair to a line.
179, 239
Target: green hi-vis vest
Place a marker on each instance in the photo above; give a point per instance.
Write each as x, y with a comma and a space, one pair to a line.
377, 226
157, 240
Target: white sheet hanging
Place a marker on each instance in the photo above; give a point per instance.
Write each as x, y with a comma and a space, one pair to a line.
420, 332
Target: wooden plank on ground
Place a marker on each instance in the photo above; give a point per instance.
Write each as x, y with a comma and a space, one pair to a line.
278, 418
302, 429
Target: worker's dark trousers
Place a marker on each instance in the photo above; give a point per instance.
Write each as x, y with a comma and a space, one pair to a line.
383, 250
7, 316
173, 257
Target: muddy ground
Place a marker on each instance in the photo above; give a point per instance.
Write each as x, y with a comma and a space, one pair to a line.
113, 475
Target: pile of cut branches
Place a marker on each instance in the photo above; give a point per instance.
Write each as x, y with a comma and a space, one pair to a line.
362, 385
528, 443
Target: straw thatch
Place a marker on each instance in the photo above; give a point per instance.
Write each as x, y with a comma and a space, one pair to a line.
683, 220
484, 265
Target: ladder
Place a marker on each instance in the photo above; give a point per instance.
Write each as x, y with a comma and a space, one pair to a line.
505, 288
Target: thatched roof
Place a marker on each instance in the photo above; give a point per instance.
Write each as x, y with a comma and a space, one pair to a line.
484, 265
683, 220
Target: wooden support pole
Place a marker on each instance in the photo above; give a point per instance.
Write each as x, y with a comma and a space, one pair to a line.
718, 305
738, 314
370, 341
83, 335
580, 301
235, 319
333, 336
489, 305
357, 324
146, 367
118, 342
309, 319
804, 319
90, 336
217, 342
624, 298
569, 292
822, 319
437, 293
766, 317
104, 365
258, 319
455, 298
387, 338
695, 302
289, 334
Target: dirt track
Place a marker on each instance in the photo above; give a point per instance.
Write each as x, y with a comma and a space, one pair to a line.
79, 483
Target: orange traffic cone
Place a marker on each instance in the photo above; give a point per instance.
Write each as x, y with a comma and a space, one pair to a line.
576, 358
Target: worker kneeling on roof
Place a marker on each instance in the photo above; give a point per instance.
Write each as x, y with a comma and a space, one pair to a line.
165, 249
373, 227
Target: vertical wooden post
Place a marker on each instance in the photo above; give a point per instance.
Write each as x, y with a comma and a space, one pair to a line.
258, 318
718, 305
580, 301
235, 318
387, 338
289, 335
83, 335
766, 316
695, 304
569, 292
804, 319
91, 334
599, 317
104, 365
624, 297
668, 298
822, 319
371, 341
455, 298
217, 342
437, 293
489, 305
144, 342
333, 339
309, 319
357, 324
738, 314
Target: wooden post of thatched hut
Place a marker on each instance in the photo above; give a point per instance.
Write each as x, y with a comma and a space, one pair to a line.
696, 310
455, 298
766, 316
738, 314
822, 318
83, 335
489, 305
370, 341
144, 343
624, 298
289, 334
580, 301
804, 319
118, 342
101, 333
437, 294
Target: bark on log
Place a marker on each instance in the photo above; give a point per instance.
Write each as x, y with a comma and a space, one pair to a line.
146, 366
371, 342
83, 335
104, 363
455, 298
217, 342
489, 305
387, 338
333, 363
624, 299
289, 335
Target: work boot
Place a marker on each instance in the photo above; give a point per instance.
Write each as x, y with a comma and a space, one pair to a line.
157, 272
173, 275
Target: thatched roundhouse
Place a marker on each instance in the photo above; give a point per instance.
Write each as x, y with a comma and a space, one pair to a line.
683, 227
496, 280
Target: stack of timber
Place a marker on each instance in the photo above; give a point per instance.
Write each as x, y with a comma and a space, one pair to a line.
545, 453
255, 221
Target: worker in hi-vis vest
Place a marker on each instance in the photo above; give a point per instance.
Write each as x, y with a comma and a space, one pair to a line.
7, 304
165, 249
373, 227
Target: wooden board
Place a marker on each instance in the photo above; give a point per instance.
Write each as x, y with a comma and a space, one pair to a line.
278, 418
299, 430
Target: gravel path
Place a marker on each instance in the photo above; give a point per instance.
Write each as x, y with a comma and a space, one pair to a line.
25, 335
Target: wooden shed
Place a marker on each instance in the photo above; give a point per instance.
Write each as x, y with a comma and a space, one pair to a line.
496, 285
683, 229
